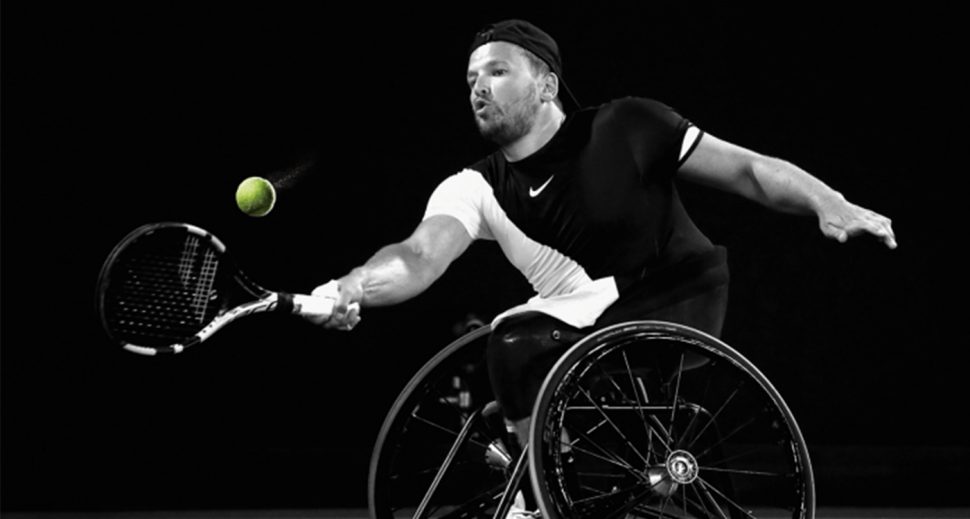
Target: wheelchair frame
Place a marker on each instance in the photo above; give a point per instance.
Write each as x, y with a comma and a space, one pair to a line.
638, 419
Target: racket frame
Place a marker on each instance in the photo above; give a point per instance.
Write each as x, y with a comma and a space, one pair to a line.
264, 300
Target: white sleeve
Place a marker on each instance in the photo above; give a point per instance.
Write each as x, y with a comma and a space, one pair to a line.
691, 137
462, 196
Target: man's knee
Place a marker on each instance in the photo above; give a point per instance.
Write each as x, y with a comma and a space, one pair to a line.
520, 352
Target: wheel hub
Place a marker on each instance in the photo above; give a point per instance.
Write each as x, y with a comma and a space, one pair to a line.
682, 467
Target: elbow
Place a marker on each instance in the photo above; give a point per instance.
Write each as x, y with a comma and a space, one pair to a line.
765, 167
757, 173
425, 267
770, 183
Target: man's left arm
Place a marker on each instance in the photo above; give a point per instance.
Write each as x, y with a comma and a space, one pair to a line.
782, 186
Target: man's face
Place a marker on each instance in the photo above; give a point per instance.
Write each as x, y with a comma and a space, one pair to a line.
504, 94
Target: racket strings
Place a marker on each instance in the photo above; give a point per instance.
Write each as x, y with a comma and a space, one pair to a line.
165, 296
205, 280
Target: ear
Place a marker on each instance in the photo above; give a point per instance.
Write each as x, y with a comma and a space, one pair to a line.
550, 87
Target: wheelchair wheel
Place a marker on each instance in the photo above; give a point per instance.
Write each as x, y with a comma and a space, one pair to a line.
653, 419
436, 455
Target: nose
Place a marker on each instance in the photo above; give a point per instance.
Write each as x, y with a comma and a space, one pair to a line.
481, 87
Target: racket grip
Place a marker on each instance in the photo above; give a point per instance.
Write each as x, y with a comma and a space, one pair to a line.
316, 306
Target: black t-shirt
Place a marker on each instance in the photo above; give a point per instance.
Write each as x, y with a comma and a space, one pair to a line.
597, 201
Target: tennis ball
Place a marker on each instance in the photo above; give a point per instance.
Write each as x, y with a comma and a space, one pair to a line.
255, 196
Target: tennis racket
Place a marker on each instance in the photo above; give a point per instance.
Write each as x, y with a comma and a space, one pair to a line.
168, 286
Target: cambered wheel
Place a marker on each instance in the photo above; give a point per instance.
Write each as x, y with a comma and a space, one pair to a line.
436, 452
653, 419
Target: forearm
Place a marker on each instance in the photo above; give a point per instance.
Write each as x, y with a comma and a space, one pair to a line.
400, 271
397, 272
783, 186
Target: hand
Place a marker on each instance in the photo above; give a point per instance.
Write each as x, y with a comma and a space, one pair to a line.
841, 219
346, 310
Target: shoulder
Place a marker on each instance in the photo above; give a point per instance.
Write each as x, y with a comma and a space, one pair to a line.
490, 167
465, 196
638, 109
467, 180
636, 103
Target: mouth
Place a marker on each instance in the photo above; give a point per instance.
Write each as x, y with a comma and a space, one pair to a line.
479, 106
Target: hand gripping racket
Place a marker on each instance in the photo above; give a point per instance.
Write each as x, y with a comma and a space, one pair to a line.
168, 286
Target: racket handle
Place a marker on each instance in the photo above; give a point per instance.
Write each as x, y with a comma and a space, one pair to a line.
315, 306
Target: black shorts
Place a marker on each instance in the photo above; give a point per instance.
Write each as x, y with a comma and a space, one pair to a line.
523, 348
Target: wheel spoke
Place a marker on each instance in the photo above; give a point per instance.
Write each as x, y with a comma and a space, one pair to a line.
443, 399
606, 456
748, 472
425, 471
459, 412
710, 488
616, 503
724, 438
480, 502
445, 429
665, 438
607, 475
703, 503
715, 415
613, 425
636, 394
662, 437
673, 409
601, 423
648, 511
604, 496
697, 412
724, 461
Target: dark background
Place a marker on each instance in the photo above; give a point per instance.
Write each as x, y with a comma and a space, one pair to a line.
115, 116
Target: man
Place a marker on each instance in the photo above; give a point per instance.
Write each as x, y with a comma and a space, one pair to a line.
585, 205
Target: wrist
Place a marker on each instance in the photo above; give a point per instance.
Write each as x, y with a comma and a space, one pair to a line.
823, 200
353, 282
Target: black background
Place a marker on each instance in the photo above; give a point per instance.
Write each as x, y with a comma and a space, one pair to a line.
115, 116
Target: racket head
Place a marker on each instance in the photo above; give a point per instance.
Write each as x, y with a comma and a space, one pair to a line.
167, 286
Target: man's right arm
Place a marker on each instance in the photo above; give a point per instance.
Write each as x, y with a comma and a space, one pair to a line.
400, 271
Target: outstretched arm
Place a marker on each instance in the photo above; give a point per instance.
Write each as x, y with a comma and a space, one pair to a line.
399, 271
782, 186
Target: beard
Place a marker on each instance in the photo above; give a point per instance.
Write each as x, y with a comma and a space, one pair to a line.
508, 123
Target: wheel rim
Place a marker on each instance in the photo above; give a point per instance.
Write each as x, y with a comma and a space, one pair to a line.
664, 421
421, 429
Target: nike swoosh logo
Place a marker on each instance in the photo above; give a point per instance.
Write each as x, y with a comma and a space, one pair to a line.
535, 192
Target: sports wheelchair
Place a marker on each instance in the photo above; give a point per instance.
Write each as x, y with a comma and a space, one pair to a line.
639, 419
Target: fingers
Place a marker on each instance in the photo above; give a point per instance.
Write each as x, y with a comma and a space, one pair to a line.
887, 236
351, 318
861, 222
346, 309
835, 232
885, 232
346, 314
877, 225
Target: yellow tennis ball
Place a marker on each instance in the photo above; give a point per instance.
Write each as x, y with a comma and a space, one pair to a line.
255, 196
